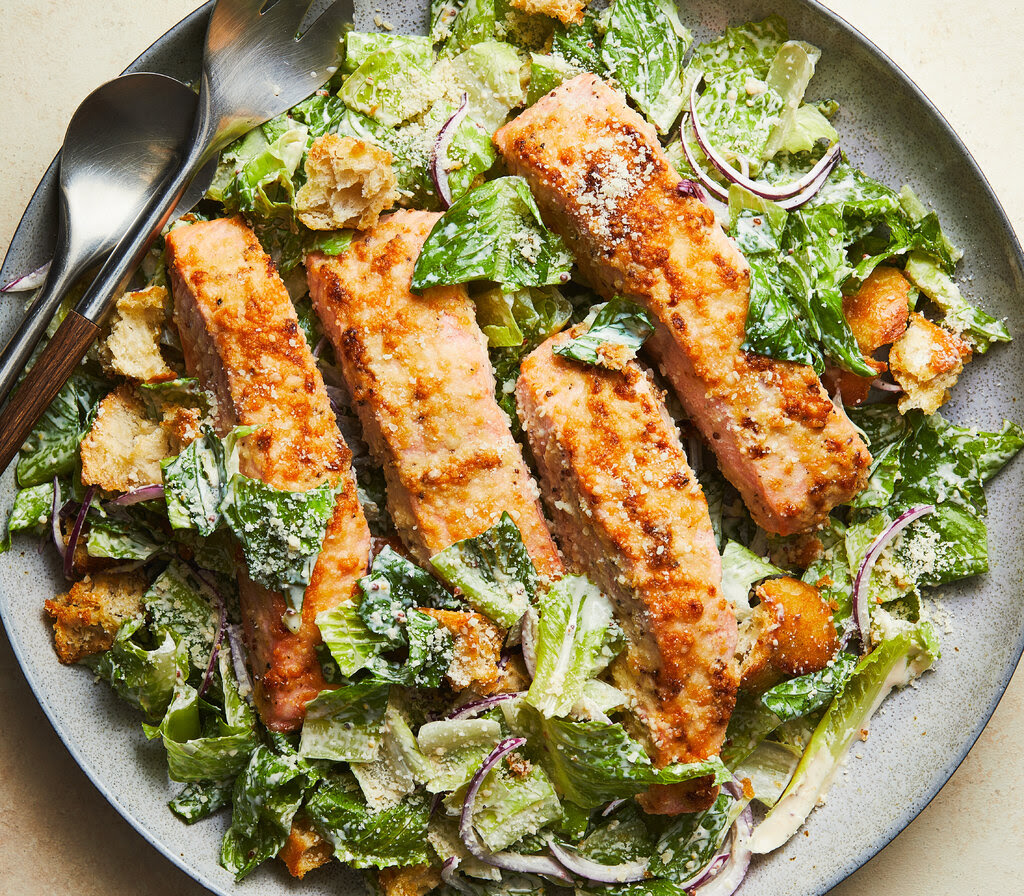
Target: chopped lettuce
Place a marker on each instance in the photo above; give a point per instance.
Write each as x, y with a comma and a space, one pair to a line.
494, 232
579, 44
577, 638
804, 694
592, 763
399, 766
351, 643
360, 45
493, 571
52, 447
364, 839
741, 570
177, 607
491, 75
614, 337
769, 769
691, 841
266, 796
142, 676
201, 744
644, 47
391, 85
508, 317
280, 532
894, 663
128, 535
346, 724
510, 807
546, 73
197, 801
31, 511
455, 749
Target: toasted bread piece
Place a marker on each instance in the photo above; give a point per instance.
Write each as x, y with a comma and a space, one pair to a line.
414, 880
476, 650
86, 619
124, 448
789, 633
304, 849
926, 361
568, 12
132, 347
350, 182
877, 314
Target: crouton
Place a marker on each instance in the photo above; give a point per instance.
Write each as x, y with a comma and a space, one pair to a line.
414, 880
568, 12
789, 633
349, 184
877, 314
182, 426
927, 361
124, 448
132, 347
86, 619
475, 652
304, 849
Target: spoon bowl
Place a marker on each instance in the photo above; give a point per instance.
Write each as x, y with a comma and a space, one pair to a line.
124, 142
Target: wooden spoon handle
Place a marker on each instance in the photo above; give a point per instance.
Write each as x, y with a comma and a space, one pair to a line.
46, 378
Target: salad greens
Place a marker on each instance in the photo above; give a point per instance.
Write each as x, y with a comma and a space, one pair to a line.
393, 742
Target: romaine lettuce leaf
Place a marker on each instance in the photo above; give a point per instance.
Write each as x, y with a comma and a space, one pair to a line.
352, 645
429, 656
280, 533
143, 677
266, 796
894, 663
769, 769
804, 694
398, 768
391, 85
52, 447
741, 570
546, 73
493, 571
200, 800
508, 319
491, 75
614, 337
691, 841
260, 174
644, 47
363, 839
177, 607
128, 535
360, 45
31, 512
510, 807
580, 44
455, 749
494, 232
346, 724
577, 638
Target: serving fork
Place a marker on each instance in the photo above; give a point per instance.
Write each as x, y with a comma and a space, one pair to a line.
258, 61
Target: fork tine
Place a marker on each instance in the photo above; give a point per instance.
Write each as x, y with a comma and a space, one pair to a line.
330, 22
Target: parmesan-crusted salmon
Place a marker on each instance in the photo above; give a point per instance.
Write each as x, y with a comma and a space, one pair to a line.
629, 510
241, 337
603, 183
422, 384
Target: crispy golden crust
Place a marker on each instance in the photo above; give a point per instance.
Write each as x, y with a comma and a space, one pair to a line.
792, 634
304, 849
422, 384
926, 361
86, 619
630, 512
604, 184
413, 880
877, 313
476, 650
241, 337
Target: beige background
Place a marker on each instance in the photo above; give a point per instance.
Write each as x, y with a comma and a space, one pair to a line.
59, 836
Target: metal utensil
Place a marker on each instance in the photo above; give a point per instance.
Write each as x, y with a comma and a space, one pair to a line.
256, 64
116, 154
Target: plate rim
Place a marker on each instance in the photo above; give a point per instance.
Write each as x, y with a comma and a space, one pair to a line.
898, 822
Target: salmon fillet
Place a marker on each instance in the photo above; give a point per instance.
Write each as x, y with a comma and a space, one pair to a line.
604, 184
241, 337
422, 384
629, 511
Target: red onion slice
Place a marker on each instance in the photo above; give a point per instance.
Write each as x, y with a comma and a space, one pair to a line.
136, 496
882, 386
76, 532
861, 612
776, 194
234, 633
439, 153
448, 875
28, 281
529, 635
726, 879
611, 807
510, 861
471, 710
217, 641
627, 872
319, 347
58, 537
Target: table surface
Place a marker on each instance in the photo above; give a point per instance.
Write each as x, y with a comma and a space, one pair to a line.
58, 835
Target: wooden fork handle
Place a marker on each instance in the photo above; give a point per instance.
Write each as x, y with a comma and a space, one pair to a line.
46, 378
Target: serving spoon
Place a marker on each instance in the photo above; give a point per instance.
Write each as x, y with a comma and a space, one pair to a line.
116, 155
256, 65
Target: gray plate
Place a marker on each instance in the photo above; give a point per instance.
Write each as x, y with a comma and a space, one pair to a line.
922, 734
